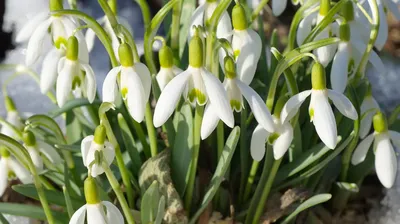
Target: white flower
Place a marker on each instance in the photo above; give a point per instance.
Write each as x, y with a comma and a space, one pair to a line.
324, 54
280, 140
89, 146
369, 107
320, 110
101, 213
278, 6
165, 75
385, 157
9, 168
74, 74
49, 71
340, 66
14, 119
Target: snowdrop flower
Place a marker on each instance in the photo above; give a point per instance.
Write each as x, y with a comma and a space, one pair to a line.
280, 139
74, 75
235, 89
61, 28
369, 107
96, 211
135, 83
35, 148
385, 157
12, 118
167, 68
11, 168
197, 85
97, 143
320, 111
341, 61
278, 6
246, 45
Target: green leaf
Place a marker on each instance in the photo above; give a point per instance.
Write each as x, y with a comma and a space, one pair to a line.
188, 7
3, 220
53, 197
314, 200
149, 205
31, 211
222, 167
41, 120
295, 149
74, 128
71, 148
160, 211
71, 104
181, 153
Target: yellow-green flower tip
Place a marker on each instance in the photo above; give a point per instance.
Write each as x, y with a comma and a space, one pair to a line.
10, 106
165, 56
91, 191
55, 5
29, 138
379, 121
113, 6
72, 48
344, 32
100, 134
4, 152
125, 55
229, 66
196, 52
325, 6
239, 19
348, 11
318, 79
279, 105
236, 105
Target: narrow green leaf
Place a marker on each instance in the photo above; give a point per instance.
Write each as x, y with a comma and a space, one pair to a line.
222, 167
188, 7
160, 211
181, 152
41, 120
295, 149
31, 211
314, 200
149, 205
73, 126
3, 220
71, 104
71, 148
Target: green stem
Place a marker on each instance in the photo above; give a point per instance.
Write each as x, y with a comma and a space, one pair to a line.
120, 195
144, 7
198, 117
244, 152
220, 138
176, 16
257, 10
142, 137
151, 131
68, 202
250, 180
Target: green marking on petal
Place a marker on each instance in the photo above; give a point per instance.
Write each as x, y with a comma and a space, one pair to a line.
124, 92
311, 113
197, 94
352, 66
273, 137
236, 54
76, 82
236, 105
60, 42
11, 175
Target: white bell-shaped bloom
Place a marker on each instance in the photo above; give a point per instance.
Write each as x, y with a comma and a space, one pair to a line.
278, 6
49, 71
280, 140
368, 108
102, 213
74, 75
320, 110
135, 84
93, 143
385, 156
167, 68
305, 27
340, 67
324, 54
14, 119
11, 168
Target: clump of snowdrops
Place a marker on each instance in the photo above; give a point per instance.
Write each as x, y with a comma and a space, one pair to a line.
210, 129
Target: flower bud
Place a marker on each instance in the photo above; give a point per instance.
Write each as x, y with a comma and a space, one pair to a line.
91, 191
196, 51
379, 122
100, 134
166, 57
348, 11
239, 18
344, 32
55, 5
229, 66
318, 79
4, 152
10, 106
29, 138
125, 55
279, 105
324, 7
72, 48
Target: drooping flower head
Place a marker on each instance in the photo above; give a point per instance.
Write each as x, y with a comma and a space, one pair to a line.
385, 156
96, 211
74, 75
167, 68
134, 83
320, 110
12, 118
368, 108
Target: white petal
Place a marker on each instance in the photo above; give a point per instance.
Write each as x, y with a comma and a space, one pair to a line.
343, 104
218, 98
383, 27
257, 105
224, 28
210, 121
3, 175
368, 109
49, 152
79, 216
96, 170
339, 71
85, 147
164, 76
394, 8
304, 29
197, 19
30, 26
135, 97
257, 144
110, 88
377, 62
23, 174
323, 119
283, 142
108, 152
95, 214
90, 81
113, 214
360, 153
248, 57
169, 98
48, 75
324, 54
395, 137
90, 37
70, 26
292, 105
145, 76
385, 162
64, 82
35, 43
278, 6
36, 159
